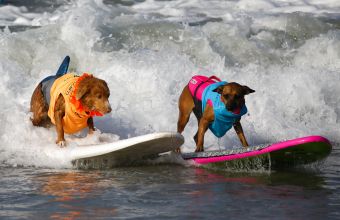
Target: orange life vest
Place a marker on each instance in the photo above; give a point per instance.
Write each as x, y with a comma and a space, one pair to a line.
76, 117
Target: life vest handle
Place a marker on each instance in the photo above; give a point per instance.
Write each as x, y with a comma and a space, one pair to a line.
214, 78
63, 68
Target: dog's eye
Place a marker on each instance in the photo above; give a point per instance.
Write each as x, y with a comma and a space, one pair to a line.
226, 96
99, 96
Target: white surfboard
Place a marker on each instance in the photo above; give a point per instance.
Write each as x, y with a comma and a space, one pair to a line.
125, 152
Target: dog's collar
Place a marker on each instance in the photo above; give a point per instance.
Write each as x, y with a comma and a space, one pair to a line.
78, 105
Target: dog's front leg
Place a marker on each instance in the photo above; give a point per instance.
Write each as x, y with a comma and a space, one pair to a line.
58, 117
239, 131
59, 113
90, 124
203, 124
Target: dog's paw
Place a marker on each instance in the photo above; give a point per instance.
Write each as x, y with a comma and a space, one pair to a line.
177, 150
199, 149
91, 131
61, 143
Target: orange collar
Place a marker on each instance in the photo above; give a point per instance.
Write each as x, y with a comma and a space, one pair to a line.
79, 106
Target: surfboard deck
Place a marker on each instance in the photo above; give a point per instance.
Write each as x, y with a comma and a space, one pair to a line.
125, 152
284, 154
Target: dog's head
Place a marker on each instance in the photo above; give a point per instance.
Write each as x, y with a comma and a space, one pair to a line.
94, 94
232, 95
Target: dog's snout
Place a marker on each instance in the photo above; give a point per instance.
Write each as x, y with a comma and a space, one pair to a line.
231, 106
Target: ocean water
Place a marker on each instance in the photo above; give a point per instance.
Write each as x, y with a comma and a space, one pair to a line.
147, 50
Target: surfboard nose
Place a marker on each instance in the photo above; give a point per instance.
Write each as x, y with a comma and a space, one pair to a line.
178, 139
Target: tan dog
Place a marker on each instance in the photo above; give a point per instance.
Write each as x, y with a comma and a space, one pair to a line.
216, 105
70, 102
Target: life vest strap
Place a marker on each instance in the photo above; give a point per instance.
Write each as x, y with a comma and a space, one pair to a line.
198, 103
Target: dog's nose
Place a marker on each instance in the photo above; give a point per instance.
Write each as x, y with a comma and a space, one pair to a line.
109, 109
230, 107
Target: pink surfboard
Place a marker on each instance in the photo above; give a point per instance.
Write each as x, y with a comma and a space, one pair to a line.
294, 152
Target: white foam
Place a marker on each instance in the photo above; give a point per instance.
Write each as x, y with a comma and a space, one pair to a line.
20, 16
147, 56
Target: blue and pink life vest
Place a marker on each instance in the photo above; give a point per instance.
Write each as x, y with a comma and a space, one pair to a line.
201, 88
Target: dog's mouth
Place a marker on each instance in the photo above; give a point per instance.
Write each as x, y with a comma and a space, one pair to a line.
94, 112
102, 111
237, 110
233, 109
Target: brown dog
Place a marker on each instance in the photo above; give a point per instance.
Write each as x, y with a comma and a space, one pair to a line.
216, 105
70, 102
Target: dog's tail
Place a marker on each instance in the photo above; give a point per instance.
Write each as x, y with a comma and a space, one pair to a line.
63, 67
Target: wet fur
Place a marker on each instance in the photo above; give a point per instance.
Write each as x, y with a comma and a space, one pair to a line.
92, 92
232, 96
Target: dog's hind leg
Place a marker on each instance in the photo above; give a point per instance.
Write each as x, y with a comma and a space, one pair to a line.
39, 108
185, 105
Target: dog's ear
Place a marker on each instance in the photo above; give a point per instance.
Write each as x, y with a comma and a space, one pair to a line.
219, 89
82, 91
105, 87
247, 90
